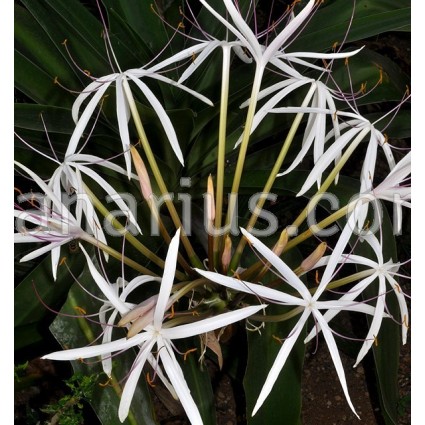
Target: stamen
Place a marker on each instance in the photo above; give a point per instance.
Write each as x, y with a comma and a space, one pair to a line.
188, 352
150, 381
80, 310
62, 261
108, 383
279, 340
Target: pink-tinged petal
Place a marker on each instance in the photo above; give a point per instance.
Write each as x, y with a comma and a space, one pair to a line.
167, 280
280, 361
112, 193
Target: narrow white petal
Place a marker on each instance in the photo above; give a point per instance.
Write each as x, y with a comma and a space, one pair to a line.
98, 350
107, 337
163, 117
333, 350
182, 87
90, 89
130, 385
404, 312
175, 374
210, 324
271, 103
84, 119
285, 271
181, 55
43, 186
167, 280
123, 115
104, 286
330, 155
315, 55
246, 35
376, 322
280, 361
209, 48
267, 294
40, 251
287, 32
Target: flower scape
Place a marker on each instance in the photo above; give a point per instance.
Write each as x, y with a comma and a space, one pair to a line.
211, 184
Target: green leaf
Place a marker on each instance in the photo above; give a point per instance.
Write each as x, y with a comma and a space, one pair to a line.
30, 314
331, 22
57, 119
78, 332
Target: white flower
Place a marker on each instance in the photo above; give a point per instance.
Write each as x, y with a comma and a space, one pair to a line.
158, 333
308, 303
98, 88
351, 133
381, 271
394, 188
55, 224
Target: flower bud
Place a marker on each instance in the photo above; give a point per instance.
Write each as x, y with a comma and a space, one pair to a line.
313, 258
139, 165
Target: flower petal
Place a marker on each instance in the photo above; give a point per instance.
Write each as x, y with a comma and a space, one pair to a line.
130, 385
210, 324
285, 271
175, 374
280, 360
162, 115
167, 280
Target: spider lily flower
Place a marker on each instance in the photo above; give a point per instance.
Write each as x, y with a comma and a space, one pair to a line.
55, 225
161, 334
394, 188
69, 176
384, 272
98, 88
311, 305
261, 55
356, 130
